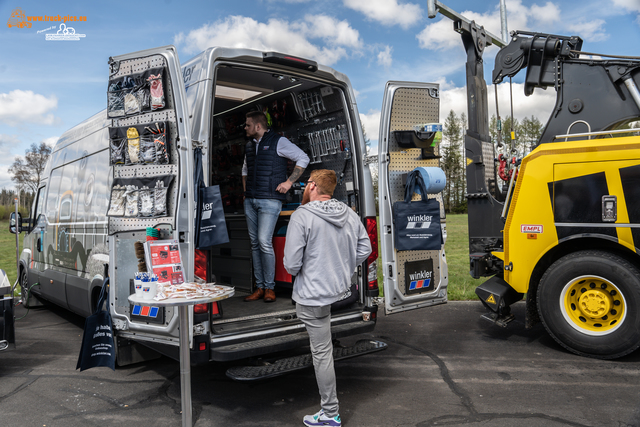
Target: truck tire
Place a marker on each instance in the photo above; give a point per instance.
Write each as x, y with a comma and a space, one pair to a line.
589, 301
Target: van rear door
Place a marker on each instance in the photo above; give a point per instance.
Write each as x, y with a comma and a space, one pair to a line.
412, 279
160, 107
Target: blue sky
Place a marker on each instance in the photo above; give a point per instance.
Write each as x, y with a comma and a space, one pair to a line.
48, 86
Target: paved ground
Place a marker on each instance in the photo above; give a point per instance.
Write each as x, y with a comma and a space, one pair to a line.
444, 366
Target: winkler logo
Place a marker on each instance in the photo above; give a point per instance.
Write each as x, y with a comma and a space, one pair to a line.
18, 19
418, 221
207, 209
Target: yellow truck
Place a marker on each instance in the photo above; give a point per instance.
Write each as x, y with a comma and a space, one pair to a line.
564, 230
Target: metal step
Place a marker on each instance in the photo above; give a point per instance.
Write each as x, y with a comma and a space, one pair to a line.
296, 363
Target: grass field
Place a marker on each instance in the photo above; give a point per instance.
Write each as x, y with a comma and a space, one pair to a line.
8, 250
461, 285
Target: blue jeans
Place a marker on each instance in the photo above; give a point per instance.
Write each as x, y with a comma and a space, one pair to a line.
262, 215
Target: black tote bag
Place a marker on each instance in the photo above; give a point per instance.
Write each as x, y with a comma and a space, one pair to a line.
97, 342
211, 227
417, 223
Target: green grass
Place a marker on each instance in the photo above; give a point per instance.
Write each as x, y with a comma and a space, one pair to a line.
461, 285
8, 251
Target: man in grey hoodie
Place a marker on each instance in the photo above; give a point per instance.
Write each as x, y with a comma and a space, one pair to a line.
325, 242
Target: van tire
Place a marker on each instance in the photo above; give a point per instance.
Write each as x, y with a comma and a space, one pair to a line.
589, 301
29, 300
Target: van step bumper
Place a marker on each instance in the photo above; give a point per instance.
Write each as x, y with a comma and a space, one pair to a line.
296, 363
245, 348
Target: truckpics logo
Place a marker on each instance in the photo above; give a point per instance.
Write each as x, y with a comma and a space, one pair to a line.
65, 33
18, 19
418, 221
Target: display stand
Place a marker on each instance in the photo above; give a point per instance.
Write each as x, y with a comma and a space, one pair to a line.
185, 357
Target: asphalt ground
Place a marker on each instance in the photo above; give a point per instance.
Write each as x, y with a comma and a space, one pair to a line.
444, 367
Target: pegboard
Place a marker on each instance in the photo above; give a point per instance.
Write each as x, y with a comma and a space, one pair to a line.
408, 256
139, 65
412, 107
167, 115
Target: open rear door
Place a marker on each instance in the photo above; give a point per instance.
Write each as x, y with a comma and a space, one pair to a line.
412, 279
151, 154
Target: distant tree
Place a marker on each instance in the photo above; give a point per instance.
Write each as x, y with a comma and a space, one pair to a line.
367, 141
26, 172
530, 130
451, 162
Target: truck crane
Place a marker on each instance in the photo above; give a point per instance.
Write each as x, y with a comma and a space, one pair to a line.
565, 233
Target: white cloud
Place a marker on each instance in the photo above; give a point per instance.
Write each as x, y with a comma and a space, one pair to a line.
384, 57
332, 31
590, 30
278, 35
371, 123
387, 12
630, 5
19, 106
547, 13
540, 104
7, 143
440, 34
540, 18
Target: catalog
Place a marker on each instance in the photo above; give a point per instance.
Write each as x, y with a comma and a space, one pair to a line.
164, 259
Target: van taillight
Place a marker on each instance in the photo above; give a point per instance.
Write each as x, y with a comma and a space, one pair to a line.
200, 264
372, 261
200, 308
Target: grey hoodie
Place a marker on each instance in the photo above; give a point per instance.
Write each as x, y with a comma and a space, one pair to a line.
325, 243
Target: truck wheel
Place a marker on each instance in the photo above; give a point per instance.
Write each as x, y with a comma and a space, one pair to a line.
589, 302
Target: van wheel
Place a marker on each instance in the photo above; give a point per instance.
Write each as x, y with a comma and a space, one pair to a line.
28, 300
589, 302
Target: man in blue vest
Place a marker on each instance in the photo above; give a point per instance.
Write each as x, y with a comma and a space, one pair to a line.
265, 182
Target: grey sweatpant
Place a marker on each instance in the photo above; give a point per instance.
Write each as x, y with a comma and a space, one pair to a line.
318, 323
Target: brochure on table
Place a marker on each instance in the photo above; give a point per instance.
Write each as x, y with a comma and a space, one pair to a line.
165, 261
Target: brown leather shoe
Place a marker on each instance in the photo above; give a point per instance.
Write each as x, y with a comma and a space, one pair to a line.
269, 295
258, 294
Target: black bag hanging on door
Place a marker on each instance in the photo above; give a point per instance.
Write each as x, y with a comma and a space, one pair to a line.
211, 227
97, 342
417, 223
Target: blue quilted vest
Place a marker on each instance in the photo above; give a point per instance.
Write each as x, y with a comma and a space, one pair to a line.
266, 168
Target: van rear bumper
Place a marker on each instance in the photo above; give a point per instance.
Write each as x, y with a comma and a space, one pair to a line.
255, 347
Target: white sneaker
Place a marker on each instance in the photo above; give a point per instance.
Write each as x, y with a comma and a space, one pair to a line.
320, 419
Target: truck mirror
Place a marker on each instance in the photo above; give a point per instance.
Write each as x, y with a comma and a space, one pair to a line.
13, 228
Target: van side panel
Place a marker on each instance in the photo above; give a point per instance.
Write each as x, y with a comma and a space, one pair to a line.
74, 223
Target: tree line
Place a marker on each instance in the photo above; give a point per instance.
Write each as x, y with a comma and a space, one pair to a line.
453, 162
25, 173
526, 133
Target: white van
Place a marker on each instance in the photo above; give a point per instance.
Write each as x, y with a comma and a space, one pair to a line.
70, 234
